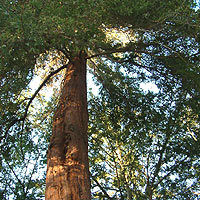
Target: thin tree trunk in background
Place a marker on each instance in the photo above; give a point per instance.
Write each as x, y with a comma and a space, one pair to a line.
67, 160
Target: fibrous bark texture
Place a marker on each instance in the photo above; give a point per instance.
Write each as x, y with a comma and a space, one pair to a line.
67, 160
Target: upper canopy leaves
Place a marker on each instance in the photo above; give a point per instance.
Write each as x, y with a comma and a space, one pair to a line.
153, 41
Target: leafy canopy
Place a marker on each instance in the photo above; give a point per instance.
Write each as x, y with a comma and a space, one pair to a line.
127, 43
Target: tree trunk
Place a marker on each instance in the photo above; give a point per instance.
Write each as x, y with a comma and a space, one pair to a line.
149, 192
67, 160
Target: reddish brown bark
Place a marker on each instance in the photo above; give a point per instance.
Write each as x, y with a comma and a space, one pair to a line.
67, 160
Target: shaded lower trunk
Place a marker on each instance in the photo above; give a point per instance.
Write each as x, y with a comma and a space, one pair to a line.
67, 160
149, 192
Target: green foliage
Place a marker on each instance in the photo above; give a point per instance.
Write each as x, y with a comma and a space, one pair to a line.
139, 141
23, 155
142, 142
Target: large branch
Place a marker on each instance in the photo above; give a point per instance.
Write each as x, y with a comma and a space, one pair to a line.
40, 87
140, 51
32, 98
122, 50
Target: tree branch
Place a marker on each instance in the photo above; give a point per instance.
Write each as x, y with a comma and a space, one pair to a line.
123, 50
40, 87
173, 168
32, 98
159, 163
31, 175
102, 189
15, 175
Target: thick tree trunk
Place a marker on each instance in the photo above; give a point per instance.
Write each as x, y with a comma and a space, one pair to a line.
67, 160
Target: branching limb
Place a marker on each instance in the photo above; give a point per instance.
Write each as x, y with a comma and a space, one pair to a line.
39, 88
159, 163
123, 50
15, 175
102, 189
14, 121
173, 168
31, 175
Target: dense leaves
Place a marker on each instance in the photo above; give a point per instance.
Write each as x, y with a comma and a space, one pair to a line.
143, 144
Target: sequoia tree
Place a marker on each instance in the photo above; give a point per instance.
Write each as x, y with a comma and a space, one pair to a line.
153, 40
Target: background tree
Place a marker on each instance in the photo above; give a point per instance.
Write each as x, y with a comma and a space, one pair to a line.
143, 145
151, 41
